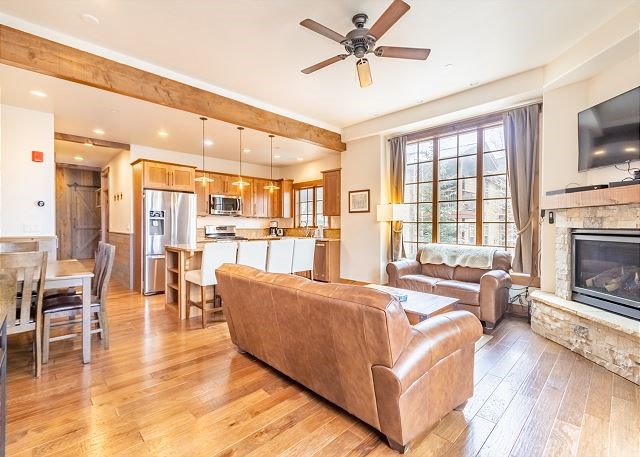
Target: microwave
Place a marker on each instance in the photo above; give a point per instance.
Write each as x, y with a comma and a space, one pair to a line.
225, 205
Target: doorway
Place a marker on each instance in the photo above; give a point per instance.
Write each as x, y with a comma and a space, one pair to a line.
78, 198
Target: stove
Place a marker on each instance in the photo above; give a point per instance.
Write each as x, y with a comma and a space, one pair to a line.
222, 233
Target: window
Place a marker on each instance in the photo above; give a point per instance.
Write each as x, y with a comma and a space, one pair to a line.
308, 207
457, 187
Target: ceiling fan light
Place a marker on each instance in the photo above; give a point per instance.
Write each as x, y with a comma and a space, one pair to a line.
364, 72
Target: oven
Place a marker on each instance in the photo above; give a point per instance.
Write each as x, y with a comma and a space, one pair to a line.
225, 205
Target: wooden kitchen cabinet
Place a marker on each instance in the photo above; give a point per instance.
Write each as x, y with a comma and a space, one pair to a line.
326, 261
202, 194
247, 198
167, 176
331, 186
260, 198
221, 184
285, 196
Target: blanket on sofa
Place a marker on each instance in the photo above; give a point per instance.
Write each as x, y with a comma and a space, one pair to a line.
455, 255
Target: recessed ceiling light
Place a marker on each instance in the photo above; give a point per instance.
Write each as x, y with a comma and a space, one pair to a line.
90, 19
474, 83
448, 66
276, 157
208, 142
599, 152
78, 158
38, 93
246, 150
163, 133
98, 131
300, 159
630, 149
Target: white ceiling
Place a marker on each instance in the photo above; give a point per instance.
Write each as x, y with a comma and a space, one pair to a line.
78, 110
90, 156
257, 49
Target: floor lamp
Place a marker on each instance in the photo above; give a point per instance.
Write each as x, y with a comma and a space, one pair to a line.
395, 213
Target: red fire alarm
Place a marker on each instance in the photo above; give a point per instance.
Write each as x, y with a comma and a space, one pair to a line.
37, 156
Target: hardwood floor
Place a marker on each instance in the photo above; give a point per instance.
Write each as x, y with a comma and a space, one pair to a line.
170, 388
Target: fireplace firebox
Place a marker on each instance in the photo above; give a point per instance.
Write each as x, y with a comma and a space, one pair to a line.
606, 270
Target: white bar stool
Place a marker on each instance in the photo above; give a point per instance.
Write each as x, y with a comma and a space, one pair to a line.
304, 250
253, 254
213, 255
280, 256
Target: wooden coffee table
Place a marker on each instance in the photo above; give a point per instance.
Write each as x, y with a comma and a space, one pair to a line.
420, 305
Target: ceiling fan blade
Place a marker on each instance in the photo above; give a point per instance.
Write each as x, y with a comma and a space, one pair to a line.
395, 11
322, 30
324, 63
402, 53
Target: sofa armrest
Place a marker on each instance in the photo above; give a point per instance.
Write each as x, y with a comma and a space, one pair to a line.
434, 339
433, 375
400, 268
494, 294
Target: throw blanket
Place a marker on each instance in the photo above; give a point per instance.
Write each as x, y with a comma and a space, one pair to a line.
455, 255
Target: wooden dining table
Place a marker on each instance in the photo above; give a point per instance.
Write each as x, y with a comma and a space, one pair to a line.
72, 273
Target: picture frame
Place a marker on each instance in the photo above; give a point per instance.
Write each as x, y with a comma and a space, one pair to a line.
359, 201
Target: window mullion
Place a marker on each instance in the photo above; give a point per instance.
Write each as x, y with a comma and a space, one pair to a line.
434, 193
479, 185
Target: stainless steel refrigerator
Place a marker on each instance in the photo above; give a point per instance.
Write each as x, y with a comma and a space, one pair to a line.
169, 218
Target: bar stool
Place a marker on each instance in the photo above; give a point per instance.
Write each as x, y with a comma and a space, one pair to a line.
280, 256
253, 254
213, 255
304, 250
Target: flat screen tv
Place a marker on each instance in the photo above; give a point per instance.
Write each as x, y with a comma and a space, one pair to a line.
609, 133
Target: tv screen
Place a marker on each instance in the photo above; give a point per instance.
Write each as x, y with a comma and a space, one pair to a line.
609, 133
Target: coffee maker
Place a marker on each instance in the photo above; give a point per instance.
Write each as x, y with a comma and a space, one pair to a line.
273, 228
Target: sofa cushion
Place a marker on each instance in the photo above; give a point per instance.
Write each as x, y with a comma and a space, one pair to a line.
418, 283
467, 292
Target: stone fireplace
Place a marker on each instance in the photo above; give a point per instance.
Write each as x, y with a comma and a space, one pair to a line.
587, 313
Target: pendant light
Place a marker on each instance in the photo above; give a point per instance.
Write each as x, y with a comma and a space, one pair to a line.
204, 179
240, 182
271, 186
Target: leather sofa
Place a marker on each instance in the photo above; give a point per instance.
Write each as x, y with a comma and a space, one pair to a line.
483, 292
354, 346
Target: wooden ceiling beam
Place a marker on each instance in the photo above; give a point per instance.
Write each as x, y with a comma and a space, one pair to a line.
93, 141
30, 52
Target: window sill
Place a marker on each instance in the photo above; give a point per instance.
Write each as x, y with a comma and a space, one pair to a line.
524, 279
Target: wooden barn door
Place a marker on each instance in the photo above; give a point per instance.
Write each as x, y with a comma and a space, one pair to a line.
78, 205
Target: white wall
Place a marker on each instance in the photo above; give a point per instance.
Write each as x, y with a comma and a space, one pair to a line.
121, 182
23, 182
364, 246
310, 171
559, 155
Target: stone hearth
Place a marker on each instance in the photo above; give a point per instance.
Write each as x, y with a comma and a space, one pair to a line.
605, 338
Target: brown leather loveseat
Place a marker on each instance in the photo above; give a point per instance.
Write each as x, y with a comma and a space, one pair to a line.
484, 292
354, 346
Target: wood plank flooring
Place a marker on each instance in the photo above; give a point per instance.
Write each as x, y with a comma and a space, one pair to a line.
170, 388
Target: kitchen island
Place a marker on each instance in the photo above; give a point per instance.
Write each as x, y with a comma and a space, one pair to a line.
181, 258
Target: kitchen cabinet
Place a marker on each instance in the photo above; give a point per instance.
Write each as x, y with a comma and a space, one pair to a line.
285, 199
221, 184
202, 194
326, 261
331, 186
247, 198
260, 198
167, 176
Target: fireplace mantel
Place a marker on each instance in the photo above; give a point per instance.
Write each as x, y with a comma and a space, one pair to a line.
601, 197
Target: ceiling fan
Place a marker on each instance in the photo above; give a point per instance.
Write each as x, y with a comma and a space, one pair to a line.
362, 41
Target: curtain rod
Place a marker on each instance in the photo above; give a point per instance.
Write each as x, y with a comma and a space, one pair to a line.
467, 120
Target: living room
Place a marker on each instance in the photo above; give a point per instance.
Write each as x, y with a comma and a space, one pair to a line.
473, 280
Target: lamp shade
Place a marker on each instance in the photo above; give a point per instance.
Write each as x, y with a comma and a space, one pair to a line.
392, 212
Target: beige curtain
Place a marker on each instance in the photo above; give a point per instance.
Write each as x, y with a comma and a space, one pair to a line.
398, 146
521, 127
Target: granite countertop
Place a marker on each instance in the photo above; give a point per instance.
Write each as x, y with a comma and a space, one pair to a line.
199, 245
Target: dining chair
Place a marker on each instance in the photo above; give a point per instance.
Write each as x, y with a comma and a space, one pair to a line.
69, 305
213, 255
253, 254
18, 246
304, 250
20, 274
280, 255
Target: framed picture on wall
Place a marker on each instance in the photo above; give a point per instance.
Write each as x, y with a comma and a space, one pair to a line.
359, 201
